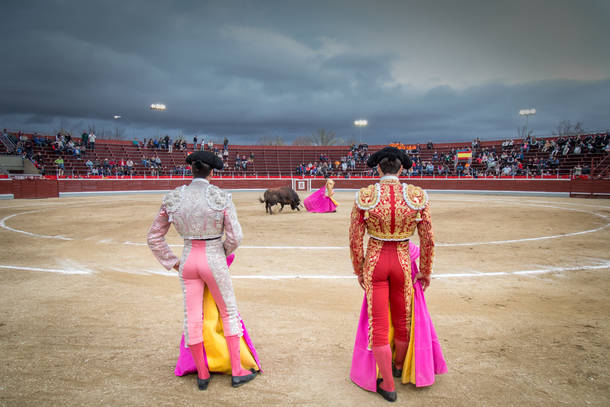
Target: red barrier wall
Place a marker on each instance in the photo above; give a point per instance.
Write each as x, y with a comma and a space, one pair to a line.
34, 188
590, 188
463, 184
46, 188
6, 186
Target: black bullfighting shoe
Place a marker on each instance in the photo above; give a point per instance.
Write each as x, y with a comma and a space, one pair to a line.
203, 383
396, 372
388, 395
237, 381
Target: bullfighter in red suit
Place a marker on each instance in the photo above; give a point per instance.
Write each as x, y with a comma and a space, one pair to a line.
390, 212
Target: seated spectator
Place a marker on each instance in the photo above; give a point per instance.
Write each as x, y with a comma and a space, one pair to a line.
577, 171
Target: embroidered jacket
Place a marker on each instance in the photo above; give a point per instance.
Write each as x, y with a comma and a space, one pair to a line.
198, 211
391, 211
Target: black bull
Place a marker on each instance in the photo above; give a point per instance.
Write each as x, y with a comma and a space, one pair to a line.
282, 196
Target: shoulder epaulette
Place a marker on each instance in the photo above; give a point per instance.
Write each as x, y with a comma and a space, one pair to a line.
368, 198
415, 197
172, 199
217, 199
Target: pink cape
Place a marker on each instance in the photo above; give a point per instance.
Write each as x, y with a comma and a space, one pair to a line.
319, 202
185, 363
428, 354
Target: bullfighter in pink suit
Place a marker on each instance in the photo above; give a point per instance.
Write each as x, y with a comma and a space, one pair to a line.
202, 213
322, 200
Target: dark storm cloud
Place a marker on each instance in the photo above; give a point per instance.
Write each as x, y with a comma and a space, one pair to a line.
444, 70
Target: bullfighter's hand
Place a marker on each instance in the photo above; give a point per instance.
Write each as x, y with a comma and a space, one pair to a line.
424, 280
177, 266
361, 281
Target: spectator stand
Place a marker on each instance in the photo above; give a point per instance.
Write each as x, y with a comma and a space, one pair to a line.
542, 158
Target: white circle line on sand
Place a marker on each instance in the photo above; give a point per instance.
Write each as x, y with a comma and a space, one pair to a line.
3, 225
547, 270
60, 271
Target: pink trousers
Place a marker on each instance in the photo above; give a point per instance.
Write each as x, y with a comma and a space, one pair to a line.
389, 287
204, 263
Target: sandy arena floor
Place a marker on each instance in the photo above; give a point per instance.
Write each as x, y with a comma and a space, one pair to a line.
520, 301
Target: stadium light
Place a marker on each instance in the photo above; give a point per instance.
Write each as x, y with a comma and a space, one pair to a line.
361, 123
116, 117
157, 106
527, 113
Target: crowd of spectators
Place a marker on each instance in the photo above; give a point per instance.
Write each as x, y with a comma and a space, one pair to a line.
109, 167
165, 143
528, 157
242, 163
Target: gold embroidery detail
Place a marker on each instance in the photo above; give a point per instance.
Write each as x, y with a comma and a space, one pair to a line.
357, 229
416, 198
379, 223
404, 258
373, 250
367, 198
426, 242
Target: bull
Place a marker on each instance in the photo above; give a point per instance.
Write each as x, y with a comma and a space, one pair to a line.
282, 196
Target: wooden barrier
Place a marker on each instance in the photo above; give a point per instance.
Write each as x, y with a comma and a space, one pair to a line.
34, 188
48, 188
590, 188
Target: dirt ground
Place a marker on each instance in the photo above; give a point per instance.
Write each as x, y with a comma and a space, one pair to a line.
520, 302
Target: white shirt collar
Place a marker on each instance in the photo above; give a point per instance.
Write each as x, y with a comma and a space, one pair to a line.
389, 177
200, 180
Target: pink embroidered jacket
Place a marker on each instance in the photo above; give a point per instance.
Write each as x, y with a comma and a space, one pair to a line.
197, 211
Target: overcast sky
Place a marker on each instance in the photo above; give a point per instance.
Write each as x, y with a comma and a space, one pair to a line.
418, 71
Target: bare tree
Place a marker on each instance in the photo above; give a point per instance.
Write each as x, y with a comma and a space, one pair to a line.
270, 141
119, 133
325, 138
566, 128
302, 141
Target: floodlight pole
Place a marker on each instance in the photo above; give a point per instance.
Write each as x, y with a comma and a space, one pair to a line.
158, 107
123, 118
527, 113
361, 123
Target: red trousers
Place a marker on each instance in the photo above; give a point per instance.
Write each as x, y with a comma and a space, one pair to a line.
388, 285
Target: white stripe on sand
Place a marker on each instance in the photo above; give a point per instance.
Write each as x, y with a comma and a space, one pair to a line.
61, 271
547, 270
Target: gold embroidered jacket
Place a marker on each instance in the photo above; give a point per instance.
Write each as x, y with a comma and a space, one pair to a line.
390, 211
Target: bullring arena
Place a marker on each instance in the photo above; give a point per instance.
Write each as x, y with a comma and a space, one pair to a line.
519, 299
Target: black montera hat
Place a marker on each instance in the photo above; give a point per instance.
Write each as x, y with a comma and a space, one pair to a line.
207, 157
391, 153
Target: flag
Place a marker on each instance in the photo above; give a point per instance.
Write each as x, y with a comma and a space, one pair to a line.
464, 155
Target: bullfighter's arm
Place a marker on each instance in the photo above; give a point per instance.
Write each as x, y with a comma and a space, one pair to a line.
232, 228
357, 229
426, 242
157, 243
